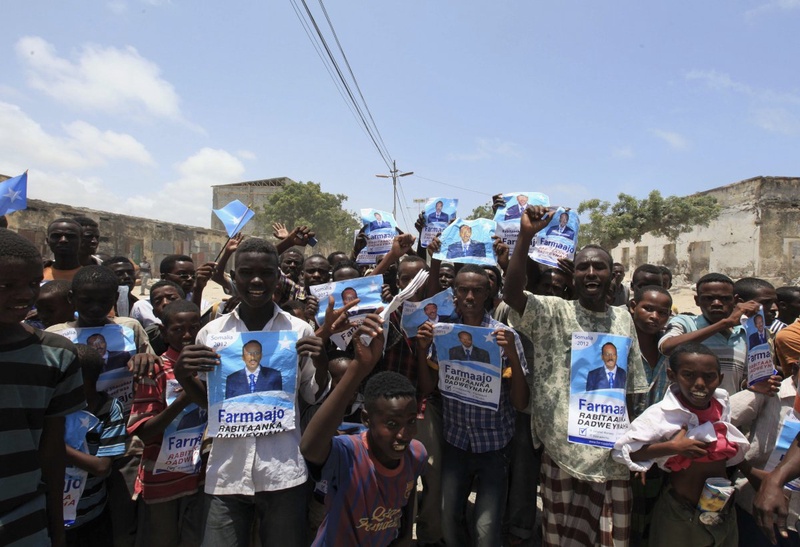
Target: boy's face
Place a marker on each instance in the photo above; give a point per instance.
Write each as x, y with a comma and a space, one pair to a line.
651, 314
125, 274
643, 279
90, 239
446, 277
93, 304
183, 274
697, 378
19, 289
256, 275
53, 308
769, 299
182, 329
392, 425
64, 238
162, 296
316, 271
291, 264
715, 300
471, 289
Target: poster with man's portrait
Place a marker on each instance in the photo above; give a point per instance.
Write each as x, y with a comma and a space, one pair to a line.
558, 239
380, 229
508, 217
252, 392
437, 308
183, 437
468, 242
368, 292
439, 212
759, 356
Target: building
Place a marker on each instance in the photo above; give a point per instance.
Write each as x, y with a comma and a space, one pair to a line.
756, 234
254, 193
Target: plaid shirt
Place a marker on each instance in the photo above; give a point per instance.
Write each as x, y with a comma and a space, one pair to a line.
400, 354
475, 429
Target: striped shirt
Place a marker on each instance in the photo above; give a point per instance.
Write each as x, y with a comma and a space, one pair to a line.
105, 440
39, 378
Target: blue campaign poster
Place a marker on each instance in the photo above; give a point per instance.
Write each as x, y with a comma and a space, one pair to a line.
508, 217
759, 356
558, 239
598, 379
439, 212
434, 309
252, 393
380, 229
468, 241
366, 289
183, 437
76, 426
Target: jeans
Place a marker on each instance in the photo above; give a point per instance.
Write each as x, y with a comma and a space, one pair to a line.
429, 433
523, 481
283, 515
460, 468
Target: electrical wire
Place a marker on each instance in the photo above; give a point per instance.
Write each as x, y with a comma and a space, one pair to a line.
452, 185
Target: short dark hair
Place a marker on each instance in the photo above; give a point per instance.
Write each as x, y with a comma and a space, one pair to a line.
257, 245
608, 344
344, 264
615, 264
474, 269
178, 306
91, 362
117, 260
253, 341
747, 287
293, 305
59, 287
639, 292
86, 221
690, 348
647, 268
387, 385
666, 271
14, 247
166, 283
413, 258
599, 248
64, 219
99, 276
292, 250
169, 261
713, 277
788, 293
334, 253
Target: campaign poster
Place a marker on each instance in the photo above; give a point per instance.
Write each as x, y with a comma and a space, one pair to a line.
76, 425
363, 256
252, 392
508, 217
468, 242
380, 229
116, 344
366, 289
439, 212
759, 357
180, 448
790, 428
556, 240
434, 309
598, 375
470, 364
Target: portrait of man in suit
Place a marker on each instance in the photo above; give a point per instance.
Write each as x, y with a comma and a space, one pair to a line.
609, 376
562, 229
253, 377
348, 295
759, 337
466, 247
379, 223
112, 359
431, 312
438, 215
515, 211
466, 351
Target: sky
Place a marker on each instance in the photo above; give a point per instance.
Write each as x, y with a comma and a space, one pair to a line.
140, 106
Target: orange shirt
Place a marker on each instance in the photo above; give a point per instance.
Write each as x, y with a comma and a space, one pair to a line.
52, 274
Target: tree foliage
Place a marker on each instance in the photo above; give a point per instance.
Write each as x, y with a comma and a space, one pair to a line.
482, 211
300, 203
630, 218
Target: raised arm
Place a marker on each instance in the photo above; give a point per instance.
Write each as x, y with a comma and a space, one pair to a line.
669, 341
401, 245
533, 219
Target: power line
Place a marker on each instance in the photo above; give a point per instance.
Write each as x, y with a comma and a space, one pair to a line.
453, 186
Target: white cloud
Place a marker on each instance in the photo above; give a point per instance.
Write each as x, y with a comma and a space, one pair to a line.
117, 7
777, 5
246, 154
82, 146
777, 120
489, 149
721, 81
623, 152
673, 139
117, 81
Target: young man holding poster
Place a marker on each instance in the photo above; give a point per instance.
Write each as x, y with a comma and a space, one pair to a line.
477, 439
266, 473
582, 473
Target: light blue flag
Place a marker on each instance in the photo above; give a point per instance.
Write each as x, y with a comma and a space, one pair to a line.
234, 216
14, 194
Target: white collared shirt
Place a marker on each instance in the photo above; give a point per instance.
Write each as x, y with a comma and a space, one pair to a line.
270, 462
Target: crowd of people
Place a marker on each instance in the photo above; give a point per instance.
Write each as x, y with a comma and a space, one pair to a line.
407, 472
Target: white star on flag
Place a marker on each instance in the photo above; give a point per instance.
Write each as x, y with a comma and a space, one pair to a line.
12, 195
86, 422
489, 337
284, 344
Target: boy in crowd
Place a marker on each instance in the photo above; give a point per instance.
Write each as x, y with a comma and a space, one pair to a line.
64, 240
42, 383
172, 510
266, 473
53, 305
90, 239
180, 269
371, 477
788, 307
161, 293
105, 441
718, 327
690, 435
126, 274
292, 263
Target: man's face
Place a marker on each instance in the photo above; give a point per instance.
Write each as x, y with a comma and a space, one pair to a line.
465, 338
651, 314
562, 220
759, 322
592, 276
471, 290
256, 276
609, 356
378, 217
446, 277
466, 233
19, 289
522, 200
552, 283
291, 265
715, 300
64, 238
316, 271
98, 342
406, 272
161, 296
348, 295
125, 274
432, 311
93, 304
183, 274
769, 300
182, 330
439, 206
90, 238
251, 355
643, 279
392, 425
790, 309
618, 272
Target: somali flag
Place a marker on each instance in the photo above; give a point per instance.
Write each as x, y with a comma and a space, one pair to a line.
234, 216
14, 194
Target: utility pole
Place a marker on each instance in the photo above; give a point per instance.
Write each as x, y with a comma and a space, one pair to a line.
419, 202
393, 174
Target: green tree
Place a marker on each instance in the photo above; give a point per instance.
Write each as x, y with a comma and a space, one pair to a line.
482, 211
300, 203
630, 218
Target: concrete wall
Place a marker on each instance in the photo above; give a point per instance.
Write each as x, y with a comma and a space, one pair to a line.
254, 193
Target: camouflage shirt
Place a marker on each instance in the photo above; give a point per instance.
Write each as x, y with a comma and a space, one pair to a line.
549, 322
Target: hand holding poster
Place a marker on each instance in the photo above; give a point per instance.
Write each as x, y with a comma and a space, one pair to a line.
508, 217
468, 241
790, 429
180, 448
438, 214
380, 229
759, 356
76, 426
432, 309
557, 240
116, 344
366, 289
470, 364
598, 376
252, 392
